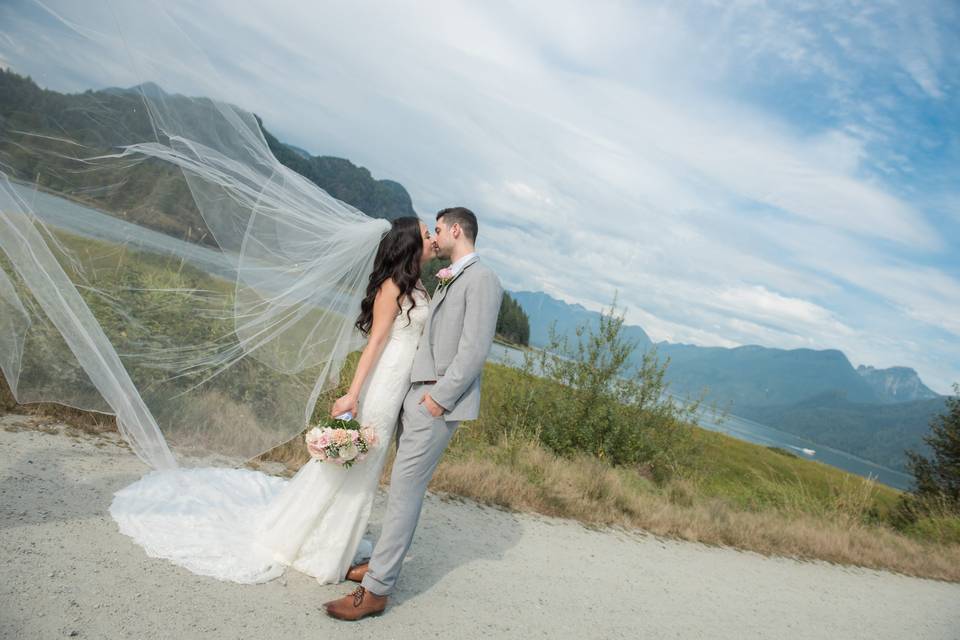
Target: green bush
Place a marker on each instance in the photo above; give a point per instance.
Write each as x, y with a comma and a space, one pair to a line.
585, 397
944, 529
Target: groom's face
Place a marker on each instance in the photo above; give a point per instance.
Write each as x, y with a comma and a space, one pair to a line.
443, 239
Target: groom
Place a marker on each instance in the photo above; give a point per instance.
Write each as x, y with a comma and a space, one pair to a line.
445, 389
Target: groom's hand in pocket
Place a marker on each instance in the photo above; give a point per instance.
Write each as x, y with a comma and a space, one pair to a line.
435, 409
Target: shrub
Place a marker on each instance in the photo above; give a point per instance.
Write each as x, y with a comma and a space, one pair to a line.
586, 396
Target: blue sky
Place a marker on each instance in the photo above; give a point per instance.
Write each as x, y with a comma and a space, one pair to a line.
783, 174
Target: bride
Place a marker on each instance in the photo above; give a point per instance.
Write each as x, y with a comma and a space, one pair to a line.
245, 526
223, 357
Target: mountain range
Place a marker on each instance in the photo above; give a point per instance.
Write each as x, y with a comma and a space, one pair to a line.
153, 193
816, 394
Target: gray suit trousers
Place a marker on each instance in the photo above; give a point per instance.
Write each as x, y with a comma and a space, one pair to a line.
421, 443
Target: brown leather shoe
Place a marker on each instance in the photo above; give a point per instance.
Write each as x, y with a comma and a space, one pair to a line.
357, 572
359, 604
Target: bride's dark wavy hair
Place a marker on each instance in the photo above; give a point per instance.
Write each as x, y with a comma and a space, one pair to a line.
398, 257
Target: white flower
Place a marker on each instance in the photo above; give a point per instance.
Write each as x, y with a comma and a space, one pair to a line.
348, 451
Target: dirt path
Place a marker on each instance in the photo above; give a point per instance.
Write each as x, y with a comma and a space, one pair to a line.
473, 572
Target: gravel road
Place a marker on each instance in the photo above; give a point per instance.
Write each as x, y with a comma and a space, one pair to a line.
473, 572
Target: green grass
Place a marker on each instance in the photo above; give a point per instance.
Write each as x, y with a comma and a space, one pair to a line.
756, 478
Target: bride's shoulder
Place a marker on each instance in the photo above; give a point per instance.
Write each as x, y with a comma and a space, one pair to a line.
388, 288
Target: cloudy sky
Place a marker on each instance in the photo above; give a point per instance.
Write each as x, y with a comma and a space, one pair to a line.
784, 174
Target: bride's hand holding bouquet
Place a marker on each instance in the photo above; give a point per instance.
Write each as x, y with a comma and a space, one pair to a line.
347, 403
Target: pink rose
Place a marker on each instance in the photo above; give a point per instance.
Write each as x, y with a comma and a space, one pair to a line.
316, 451
445, 274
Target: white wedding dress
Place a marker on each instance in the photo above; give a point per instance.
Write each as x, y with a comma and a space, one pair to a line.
246, 526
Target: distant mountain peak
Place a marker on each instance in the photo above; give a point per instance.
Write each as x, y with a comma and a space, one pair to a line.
543, 310
344, 180
303, 153
896, 384
151, 89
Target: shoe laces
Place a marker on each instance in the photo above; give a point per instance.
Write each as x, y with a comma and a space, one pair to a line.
358, 594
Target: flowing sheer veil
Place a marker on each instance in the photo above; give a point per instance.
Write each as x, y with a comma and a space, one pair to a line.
158, 262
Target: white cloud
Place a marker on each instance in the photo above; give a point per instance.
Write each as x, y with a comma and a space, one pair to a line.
759, 302
617, 147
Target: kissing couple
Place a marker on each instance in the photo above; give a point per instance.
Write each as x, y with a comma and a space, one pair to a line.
418, 375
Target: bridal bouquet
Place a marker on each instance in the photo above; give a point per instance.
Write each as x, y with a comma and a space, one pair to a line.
342, 442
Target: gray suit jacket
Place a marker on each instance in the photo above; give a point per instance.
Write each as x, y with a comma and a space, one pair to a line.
456, 340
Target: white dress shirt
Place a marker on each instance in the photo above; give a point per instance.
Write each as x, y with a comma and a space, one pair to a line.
457, 266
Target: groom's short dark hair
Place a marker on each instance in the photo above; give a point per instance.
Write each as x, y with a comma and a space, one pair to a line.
462, 216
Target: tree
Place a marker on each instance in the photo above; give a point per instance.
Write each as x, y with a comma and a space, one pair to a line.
513, 324
937, 478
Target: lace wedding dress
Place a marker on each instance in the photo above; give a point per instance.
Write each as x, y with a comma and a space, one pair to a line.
246, 526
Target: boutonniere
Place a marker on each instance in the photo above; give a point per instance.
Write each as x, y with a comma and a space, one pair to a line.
444, 277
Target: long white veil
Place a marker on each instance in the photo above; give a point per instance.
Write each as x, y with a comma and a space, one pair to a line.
156, 261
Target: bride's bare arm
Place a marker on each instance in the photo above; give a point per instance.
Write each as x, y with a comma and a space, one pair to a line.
385, 309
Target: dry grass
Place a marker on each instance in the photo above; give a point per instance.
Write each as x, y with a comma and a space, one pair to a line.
793, 519
86, 421
525, 477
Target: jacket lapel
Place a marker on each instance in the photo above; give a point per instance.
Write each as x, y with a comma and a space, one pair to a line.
443, 291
